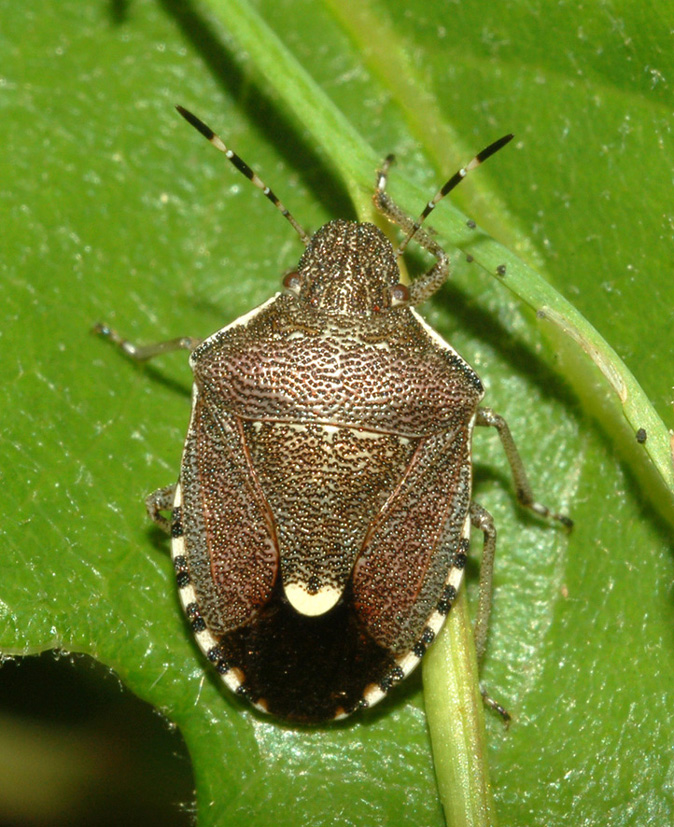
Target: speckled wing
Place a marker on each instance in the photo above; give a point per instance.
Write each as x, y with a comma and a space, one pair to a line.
402, 569
229, 532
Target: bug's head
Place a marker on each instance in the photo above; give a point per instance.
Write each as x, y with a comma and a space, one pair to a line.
348, 269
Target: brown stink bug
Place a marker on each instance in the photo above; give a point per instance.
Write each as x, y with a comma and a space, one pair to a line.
321, 519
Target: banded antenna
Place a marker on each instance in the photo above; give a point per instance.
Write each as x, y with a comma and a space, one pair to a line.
243, 167
453, 182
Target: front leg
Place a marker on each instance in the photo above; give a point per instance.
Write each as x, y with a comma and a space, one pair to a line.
142, 353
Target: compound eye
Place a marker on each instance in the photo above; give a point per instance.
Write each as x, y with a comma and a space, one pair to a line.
292, 283
399, 295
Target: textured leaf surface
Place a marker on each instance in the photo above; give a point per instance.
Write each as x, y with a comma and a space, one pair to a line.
113, 209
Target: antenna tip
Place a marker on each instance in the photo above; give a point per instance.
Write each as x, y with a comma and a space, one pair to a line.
492, 148
200, 126
506, 139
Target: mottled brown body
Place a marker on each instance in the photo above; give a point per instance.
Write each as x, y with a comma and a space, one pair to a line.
321, 520
326, 472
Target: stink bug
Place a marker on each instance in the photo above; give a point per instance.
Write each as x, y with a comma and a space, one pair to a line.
321, 520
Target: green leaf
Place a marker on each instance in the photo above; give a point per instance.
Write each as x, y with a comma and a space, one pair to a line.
113, 210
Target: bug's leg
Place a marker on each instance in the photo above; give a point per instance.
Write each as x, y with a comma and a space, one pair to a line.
525, 496
482, 520
424, 286
492, 703
158, 501
144, 352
